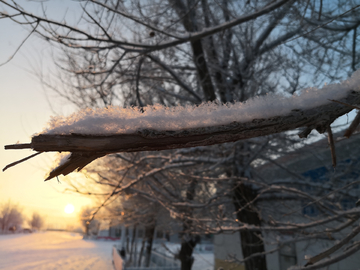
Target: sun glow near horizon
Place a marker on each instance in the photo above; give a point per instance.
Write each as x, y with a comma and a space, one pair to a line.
69, 208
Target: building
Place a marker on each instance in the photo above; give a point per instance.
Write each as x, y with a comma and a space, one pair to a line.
310, 170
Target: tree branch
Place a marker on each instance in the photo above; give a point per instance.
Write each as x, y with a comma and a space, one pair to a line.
86, 148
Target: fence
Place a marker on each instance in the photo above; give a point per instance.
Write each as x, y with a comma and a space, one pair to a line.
117, 260
164, 262
159, 262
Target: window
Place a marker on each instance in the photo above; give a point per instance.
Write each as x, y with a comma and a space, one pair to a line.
347, 204
310, 211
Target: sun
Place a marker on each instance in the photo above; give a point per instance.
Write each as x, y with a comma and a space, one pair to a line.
69, 208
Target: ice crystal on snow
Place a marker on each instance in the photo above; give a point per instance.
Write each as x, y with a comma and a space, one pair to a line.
117, 120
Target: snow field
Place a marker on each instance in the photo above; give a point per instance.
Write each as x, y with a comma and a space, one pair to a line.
53, 250
68, 251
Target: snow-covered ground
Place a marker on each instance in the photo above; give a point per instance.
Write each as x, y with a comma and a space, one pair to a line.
67, 251
204, 259
53, 250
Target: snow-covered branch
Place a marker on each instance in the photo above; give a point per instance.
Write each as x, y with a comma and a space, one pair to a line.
94, 133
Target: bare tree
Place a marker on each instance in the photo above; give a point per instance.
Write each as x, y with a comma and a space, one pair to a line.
37, 221
10, 216
134, 53
90, 225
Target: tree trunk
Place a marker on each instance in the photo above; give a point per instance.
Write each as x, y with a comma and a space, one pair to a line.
188, 16
149, 232
132, 245
87, 224
203, 71
188, 241
251, 243
141, 252
127, 240
187, 247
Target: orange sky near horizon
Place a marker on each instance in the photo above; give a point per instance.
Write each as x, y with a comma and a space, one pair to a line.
25, 108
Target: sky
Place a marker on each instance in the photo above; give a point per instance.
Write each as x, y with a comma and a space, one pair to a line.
25, 108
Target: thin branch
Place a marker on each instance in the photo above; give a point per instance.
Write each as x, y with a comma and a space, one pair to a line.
133, 18
332, 145
141, 61
303, 16
98, 24
19, 161
273, 23
354, 124
186, 98
18, 146
320, 9
324, 24
354, 50
21, 44
346, 104
93, 214
148, 48
334, 248
176, 77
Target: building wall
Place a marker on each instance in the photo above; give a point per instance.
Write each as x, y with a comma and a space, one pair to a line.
226, 245
312, 163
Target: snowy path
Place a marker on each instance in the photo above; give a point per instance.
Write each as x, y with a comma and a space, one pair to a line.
53, 250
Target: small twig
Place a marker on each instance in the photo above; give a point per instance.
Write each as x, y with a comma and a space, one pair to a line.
353, 126
321, 25
343, 103
302, 18
141, 104
320, 10
354, 123
18, 146
169, 250
354, 50
21, 44
332, 146
19, 161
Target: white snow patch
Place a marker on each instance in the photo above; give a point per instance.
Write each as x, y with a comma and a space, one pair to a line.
53, 250
203, 259
117, 120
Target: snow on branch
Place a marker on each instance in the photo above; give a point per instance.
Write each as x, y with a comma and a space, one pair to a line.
92, 133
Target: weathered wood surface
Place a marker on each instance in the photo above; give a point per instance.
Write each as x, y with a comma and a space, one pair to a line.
86, 148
